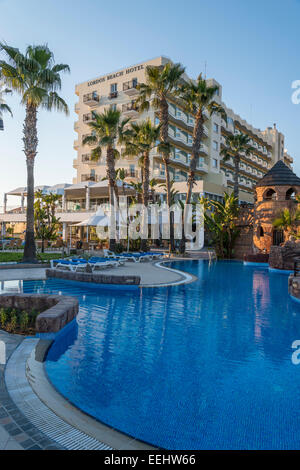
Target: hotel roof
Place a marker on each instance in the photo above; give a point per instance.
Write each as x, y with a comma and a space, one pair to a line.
279, 175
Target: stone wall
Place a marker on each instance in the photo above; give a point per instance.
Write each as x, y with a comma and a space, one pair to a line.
96, 278
244, 243
56, 310
283, 257
294, 286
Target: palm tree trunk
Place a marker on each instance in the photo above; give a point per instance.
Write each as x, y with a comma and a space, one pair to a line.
30, 146
146, 172
111, 187
236, 177
197, 139
164, 136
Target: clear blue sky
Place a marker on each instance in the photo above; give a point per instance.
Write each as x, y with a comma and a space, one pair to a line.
251, 48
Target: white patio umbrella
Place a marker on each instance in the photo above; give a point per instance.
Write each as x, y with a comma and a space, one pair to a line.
98, 219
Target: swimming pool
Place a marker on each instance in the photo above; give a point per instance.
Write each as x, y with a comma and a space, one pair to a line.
200, 366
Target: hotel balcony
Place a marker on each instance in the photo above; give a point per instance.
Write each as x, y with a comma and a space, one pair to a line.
113, 94
130, 88
84, 136
204, 149
203, 167
178, 136
89, 177
91, 99
130, 109
86, 158
76, 144
77, 108
88, 118
75, 163
76, 126
159, 174
180, 159
132, 174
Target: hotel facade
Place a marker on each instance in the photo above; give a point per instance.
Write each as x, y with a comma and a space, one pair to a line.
118, 90
213, 176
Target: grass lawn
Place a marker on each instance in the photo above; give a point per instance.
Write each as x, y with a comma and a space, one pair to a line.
18, 255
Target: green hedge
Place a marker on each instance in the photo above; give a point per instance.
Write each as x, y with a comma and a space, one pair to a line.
18, 256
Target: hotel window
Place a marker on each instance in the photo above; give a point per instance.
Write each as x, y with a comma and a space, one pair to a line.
215, 163
216, 127
215, 145
113, 87
132, 170
134, 82
114, 107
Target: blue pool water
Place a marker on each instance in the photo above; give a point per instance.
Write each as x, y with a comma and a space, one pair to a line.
200, 366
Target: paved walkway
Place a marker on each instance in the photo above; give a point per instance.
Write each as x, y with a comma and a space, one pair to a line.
7, 441
16, 431
151, 275
17, 274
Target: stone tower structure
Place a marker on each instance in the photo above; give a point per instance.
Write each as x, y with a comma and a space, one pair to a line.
274, 192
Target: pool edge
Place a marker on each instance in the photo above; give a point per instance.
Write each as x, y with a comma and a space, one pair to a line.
44, 391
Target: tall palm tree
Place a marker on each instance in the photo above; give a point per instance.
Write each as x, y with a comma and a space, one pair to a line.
142, 138
35, 76
161, 82
152, 183
198, 97
138, 189
235, 146
121, 176
3, 106
108, 130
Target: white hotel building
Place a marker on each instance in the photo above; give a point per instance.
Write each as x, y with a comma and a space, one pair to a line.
118, 89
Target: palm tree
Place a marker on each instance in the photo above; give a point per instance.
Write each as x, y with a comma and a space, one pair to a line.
152, 183
220, 219
121, 176
138, 188
197, 97
287, 221
141, 140
35, 76
235, 146
3, 106
108, 130
161, 82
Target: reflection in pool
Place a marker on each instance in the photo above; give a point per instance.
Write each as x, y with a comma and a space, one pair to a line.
200, 366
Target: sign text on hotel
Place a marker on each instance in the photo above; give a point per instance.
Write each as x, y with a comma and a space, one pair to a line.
116, 75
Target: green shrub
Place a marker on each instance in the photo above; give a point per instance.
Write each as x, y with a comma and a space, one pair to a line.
15, 321
3, 317
24, 321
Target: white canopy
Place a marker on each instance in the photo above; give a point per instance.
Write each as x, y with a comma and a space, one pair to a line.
98, 219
